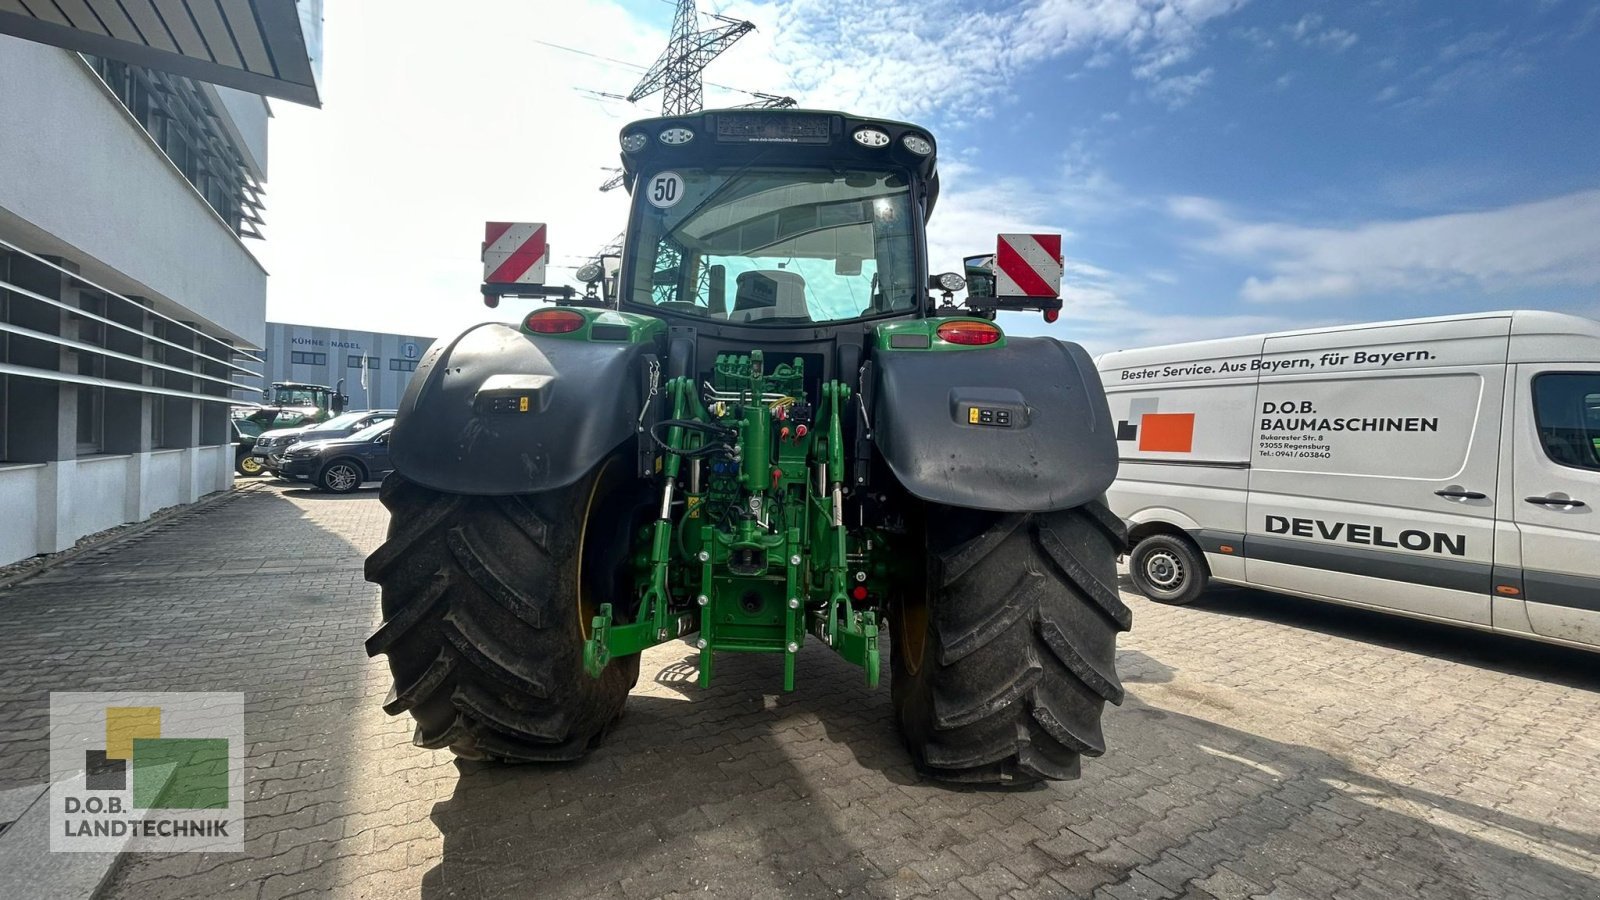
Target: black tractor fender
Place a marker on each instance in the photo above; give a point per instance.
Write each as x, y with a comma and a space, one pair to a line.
1019, 428
498, 411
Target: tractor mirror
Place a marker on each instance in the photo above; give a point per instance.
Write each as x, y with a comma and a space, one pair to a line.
980, 276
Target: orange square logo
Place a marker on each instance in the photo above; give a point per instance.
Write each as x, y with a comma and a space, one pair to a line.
1167, 432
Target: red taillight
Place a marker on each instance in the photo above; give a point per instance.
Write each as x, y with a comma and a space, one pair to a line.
1050, 315
859, 592
972, 334
553, 321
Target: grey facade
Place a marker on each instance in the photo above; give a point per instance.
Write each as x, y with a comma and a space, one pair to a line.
128, 300
374, 366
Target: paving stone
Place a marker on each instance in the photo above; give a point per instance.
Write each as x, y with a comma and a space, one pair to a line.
1268, 747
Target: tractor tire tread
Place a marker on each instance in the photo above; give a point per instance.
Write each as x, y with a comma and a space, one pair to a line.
485, 654
1017, 667
408, 617
497, 585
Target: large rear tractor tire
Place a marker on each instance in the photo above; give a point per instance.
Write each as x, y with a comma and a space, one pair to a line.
1004, 658
487, 602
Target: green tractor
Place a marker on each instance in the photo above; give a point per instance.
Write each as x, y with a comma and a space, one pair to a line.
290, 404
763, 424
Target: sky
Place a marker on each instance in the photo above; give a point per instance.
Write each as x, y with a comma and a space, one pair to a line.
1217, 167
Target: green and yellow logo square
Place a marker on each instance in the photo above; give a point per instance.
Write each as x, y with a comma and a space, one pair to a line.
167, 772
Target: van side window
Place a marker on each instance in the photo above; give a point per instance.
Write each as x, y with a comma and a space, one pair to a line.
1566, 406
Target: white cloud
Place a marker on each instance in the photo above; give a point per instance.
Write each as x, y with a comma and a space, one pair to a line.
1544, 243
1180, 89
909, 59
1309, 31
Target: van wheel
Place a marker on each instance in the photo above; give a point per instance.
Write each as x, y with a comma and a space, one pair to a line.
1167, 569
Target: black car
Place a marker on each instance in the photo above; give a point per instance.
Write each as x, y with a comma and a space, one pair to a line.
343, 464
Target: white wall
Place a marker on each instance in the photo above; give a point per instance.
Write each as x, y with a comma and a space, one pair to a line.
49, 507
19, 498
97, 488
163, 480
83, 174
213, 469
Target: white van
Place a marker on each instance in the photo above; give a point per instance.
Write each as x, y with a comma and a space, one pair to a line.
1446, 468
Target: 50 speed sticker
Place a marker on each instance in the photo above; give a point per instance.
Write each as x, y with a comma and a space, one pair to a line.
665, 190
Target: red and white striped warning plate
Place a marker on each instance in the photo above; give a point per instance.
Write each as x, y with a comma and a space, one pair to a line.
1028, 265
514, 253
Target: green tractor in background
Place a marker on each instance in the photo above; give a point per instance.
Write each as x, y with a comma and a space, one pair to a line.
290, 404
765, 423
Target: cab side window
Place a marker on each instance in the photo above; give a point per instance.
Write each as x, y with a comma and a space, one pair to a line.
1566, 408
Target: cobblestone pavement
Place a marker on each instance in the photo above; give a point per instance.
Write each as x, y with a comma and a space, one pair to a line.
1269, 747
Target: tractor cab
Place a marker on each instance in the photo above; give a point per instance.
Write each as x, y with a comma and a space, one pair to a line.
288, 404
776, 219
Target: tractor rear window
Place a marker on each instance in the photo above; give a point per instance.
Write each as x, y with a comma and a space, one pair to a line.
285, 396
777, 246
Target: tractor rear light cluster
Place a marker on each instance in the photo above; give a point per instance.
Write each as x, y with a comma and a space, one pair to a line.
676, 135
917, 144
972, 334
634, 141
553, 321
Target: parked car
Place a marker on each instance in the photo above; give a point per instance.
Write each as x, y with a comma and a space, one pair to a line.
271, 445
245, 433
344, 464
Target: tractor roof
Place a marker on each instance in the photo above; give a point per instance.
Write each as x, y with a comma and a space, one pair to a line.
788, 137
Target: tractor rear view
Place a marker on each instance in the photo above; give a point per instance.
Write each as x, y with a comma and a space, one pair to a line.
764, 424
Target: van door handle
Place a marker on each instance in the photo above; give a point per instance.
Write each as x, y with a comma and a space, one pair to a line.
1463, 495
1555, 501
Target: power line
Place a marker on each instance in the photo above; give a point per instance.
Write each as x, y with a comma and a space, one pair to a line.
623, 62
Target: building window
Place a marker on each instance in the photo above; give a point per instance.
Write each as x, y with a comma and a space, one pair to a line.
304, 358
91, 419
402, 365
158, 403
91, 399
354, 361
